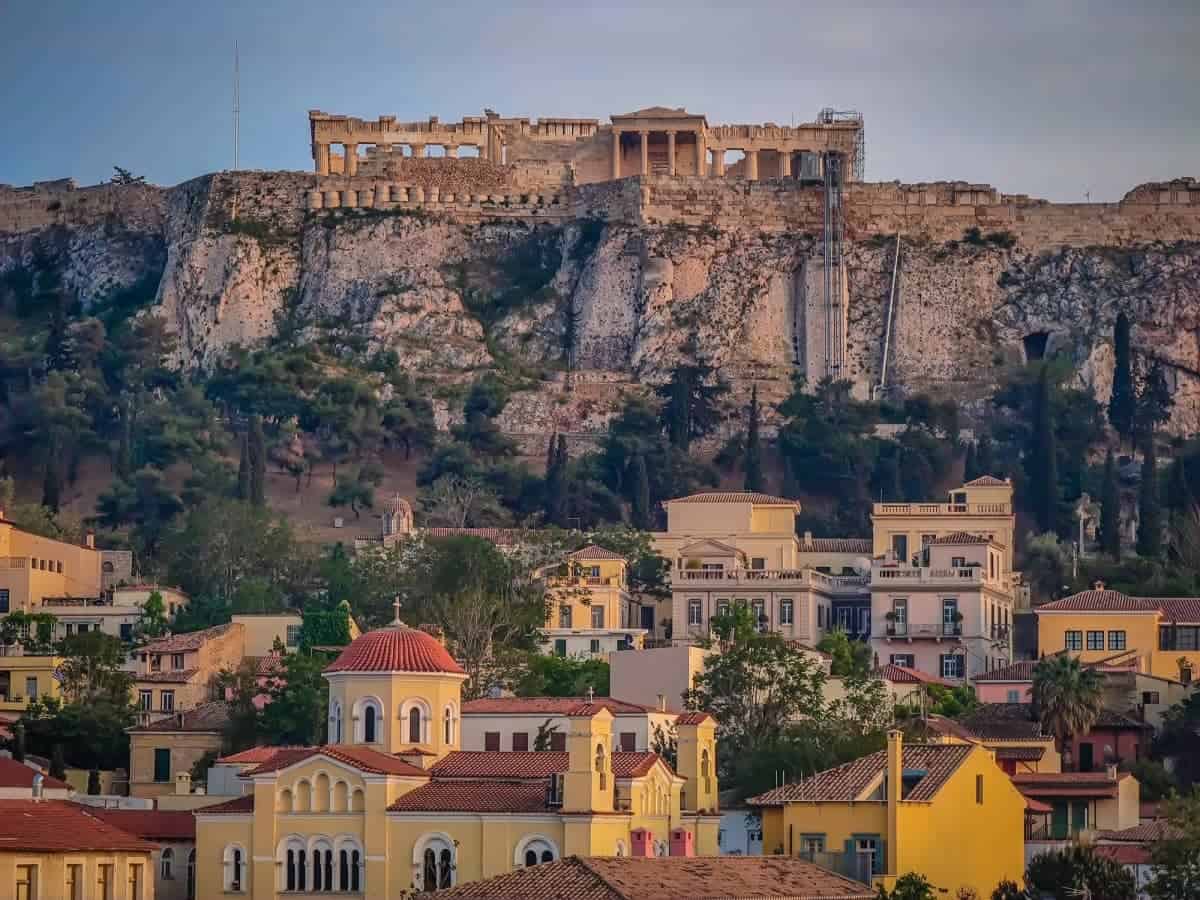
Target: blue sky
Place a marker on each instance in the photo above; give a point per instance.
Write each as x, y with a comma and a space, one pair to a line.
1049, 98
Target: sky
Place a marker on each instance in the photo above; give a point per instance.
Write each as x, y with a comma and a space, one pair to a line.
1061, 99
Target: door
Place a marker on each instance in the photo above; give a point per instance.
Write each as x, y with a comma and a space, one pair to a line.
1059, 821
648, 618
1086, 759
162, 764
1079, 816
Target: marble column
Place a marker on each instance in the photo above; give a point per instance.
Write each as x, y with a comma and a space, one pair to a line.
701, 154
718, 163
752, 165
322, 158
351, 159
616, 154
785, 163
645, 135
452, 151
418, 150
671, 153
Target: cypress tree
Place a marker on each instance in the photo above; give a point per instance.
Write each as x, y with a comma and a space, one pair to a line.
641, 494
1149, 539
52, 483
1043, 461
1179, 492
985, 460
18, 747
1123, 403
555, 509
125, 447
243, 482
971, 463
58, 763
1110, 510
752, 463
258, 462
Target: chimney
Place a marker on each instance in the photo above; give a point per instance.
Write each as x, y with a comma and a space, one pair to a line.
36, 789
1098, 585
894, 784
1, 513
89, 539
183, 783
808, 541
662, 702
1111, 769
641, 842
682, 842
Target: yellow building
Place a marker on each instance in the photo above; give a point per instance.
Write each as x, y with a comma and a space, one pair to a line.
55, 849
944, 810
33, 568
393, 804
1163, 632
178, 672
167, 747
25, 677
589, 611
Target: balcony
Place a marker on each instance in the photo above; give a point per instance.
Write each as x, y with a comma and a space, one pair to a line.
774, 579
912, 631
584, 581
905, 575
942, 509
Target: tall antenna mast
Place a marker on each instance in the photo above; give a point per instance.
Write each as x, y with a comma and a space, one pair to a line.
237, 110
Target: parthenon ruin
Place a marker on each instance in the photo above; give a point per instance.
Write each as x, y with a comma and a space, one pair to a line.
657, 140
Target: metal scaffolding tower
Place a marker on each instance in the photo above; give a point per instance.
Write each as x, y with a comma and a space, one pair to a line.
858, 159
834, 233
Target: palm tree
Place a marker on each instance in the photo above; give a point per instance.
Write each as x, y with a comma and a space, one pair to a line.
1067, 696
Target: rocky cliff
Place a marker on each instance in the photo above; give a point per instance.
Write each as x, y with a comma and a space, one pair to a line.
597, 292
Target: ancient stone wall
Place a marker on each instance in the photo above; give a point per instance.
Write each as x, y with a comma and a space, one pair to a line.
49, 203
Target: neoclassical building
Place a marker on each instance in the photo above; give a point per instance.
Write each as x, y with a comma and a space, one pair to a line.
392, 804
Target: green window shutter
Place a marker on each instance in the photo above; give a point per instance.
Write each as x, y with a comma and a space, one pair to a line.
162, 764
880, 856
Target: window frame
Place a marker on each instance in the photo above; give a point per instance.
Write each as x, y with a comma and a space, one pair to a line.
1094, 639
1118, 644
1073, 640
787, 611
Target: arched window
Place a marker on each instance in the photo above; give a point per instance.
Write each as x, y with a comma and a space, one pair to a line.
600, 766
335, 722
414, 725
445, 869
321, 864
191, 874
296, 866
341, 797
448, 724
356, 866
535, 849
285, 801
368, 717
434, 859
234, 859
166, 864
704, 770
369, 725
429, 870
415, 718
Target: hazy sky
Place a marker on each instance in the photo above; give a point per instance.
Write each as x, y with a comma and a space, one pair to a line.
1048, 98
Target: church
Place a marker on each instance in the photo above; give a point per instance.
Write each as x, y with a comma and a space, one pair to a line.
392, 804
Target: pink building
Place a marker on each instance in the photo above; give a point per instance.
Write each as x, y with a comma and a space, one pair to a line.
1011, 684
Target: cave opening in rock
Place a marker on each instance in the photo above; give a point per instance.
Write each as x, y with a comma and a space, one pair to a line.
1035, 345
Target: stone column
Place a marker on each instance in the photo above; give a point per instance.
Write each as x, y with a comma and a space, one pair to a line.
616, 154
418, 150
671, 153
321, 156
752, 165
701, 154
785, 163
351, 159
452, 151
718, 163
645, 152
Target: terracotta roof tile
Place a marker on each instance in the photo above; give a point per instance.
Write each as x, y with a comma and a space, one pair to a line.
736, 497
1021, 670
1125, 854
667, 878
693, 718
986, 481
362, 758
861, 546
1001, 721
848, 781
395, 649
191, 640
172, 676
591, 551
475, 796
255, 755
505, 537
963, 537
1181, 609
1100, 601
905, 675
212, 716
15, 774
150, 824
238, 805
1020, 754
531, 764
1066, 784
548, 705
56, 826
1160, 830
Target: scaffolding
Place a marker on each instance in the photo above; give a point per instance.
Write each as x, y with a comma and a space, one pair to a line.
834, 233
858, 157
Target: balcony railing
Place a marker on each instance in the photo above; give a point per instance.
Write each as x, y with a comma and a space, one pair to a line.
907, 574
942, 509
766, 577
912, 630
14, 562
859, 866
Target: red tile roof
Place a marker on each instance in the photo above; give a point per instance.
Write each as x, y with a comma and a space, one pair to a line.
963, 537
548, 705
994, 721
693, 718
591, 551
150, 824
1066, 784
905, 675
736, 497
56, 826
1037, 806
1020, 754
666, 878
243, 804
212, 716
848, 781
501, 536
1160, 830
1125, 854
171, 676
1100, 601
362, 758
15, 774
253, 756
1021, 670
531, 764
395, 649
861, 546
191, 640
1181, 609
986, 481
475, 796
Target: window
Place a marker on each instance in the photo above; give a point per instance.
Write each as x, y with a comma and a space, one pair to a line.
448, 725
335, 724
74, 881
1150, 698
166, 864
491, 740
958, 562
27, 888
4, 600
162, 764
758, 563
594, 646
628, 741
694, 613
558, 741
927, 539
820, 617
177, 662
437, 865
952, 665
135, 880
83, 628
167, 701
597, 616
520, 742
1014, 696
234, 859
722, 607
760, 612
292, 636
564, 616
867, 849
31, 688
785, 612
369, 724
907, 660
811, 844
1116, 640
560, 647
979, 789
155, 660
126, 631
414, 725
900, 546
146, 700
1074, 640
350, 869
1095, 640
533, 851
104, 881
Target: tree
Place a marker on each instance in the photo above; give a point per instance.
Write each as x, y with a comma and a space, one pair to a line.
848, 657
1122, 403
752, 460
1066, 874
1150, 526
458, 502
985, 460
1176, 858
556, 506
242, 692
244, 466
1043, 457
93, 669
299, 701
92, 733
18, 741
642, 514
544, 739
563, 676
256, 455
58, 763
1154, 402
693, 396
1110, 510
909, 886
971, 469
125, 177
1009, 890
152, 618
1067, 696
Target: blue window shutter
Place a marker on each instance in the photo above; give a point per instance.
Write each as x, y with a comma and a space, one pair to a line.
851, 858
880, 856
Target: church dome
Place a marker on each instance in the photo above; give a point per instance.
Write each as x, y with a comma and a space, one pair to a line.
395, 649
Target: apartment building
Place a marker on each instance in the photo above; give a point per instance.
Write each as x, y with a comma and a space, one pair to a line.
33, 567
728, 548
589, 609
177, 673
513, 723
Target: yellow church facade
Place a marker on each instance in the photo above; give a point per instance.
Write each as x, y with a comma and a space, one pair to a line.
392, 804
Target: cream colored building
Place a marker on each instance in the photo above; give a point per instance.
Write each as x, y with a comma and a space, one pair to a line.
33, 568
393, 804
168, 746
589, 609
942, 584
726, 548
179, 672
513, 723
25, 677
115, 612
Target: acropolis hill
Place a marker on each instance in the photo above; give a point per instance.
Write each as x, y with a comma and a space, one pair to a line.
651, 234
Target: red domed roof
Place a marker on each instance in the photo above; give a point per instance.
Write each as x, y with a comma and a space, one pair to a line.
395, 649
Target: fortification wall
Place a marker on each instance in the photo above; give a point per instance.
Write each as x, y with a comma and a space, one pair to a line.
48, 203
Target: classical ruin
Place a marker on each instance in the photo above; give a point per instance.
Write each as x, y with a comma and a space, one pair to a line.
657, 140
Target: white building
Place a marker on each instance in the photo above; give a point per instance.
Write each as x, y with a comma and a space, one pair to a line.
513, 723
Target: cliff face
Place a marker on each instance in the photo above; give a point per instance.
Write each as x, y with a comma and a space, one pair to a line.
622, 279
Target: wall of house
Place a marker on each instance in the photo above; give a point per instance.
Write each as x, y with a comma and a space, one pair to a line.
21, 668
641, 676
1141, 632
1165, 663
1126, 745
998, 691
261, 631
29, 585
52, 872
476, 725
186, 747
784, 828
